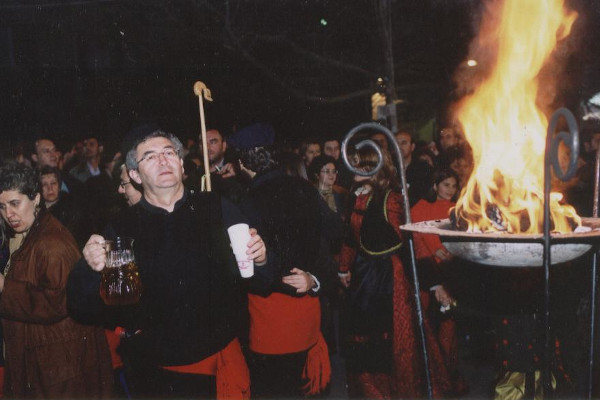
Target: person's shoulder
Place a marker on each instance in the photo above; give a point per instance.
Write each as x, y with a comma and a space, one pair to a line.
421, 204
77, 169
54, 236
394, 195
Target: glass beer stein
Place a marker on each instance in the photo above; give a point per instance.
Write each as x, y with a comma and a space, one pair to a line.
120, 283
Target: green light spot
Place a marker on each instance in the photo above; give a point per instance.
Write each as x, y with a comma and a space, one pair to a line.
323, 22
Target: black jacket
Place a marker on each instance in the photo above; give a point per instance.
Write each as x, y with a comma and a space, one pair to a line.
292, 217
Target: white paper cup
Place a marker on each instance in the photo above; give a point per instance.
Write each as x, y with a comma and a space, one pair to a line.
239, 234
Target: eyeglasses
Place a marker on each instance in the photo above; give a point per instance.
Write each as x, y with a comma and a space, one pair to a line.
152, 157
329, 171
123, 184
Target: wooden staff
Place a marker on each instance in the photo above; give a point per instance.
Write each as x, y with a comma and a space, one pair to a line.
201, 91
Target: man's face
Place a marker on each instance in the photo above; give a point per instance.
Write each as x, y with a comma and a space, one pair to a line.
50, 189
381, 140
448, 138
45, 153
331, 148
131, 194
312, 150
404, 142
91, 148
216, 146
159, 173
463, 168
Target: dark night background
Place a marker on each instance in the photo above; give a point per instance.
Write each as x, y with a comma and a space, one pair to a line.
309, 67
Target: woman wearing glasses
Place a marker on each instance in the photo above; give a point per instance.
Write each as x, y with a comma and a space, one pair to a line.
323, 174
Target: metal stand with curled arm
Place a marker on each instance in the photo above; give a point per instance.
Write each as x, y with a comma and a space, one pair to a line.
571, 140
372, 126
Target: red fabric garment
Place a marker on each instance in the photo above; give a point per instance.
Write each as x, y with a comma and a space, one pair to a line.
229, 366
408, 380
282, 324
318, 368
114, 340
370, 385
425, 247
427, 244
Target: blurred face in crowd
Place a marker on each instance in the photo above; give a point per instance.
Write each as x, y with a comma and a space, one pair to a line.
159, 165
331, 148
449, 137
405, 143
50, 188
216, 146
312, 150
91, 148
380, 139
17, 210
446, 189
463, 168
45, 153
327, 176
130, 193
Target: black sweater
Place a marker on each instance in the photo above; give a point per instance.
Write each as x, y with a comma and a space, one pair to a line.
190, 302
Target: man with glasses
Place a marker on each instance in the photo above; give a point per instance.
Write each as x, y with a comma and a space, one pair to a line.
183, 330
130, 190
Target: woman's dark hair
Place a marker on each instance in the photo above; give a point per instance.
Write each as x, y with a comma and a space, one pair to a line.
19, 177
259, 159
386, 178
317, 164
291, 164
457, 152
48, 170
438, 176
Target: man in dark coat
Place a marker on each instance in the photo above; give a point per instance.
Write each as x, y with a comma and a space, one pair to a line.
183, 330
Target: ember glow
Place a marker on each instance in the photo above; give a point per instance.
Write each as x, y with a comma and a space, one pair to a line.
505, 128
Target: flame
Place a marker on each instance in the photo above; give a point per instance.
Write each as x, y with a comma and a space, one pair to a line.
505, 128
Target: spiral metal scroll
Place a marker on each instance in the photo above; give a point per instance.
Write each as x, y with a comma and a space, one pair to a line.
394, 145
551, 161
373, 126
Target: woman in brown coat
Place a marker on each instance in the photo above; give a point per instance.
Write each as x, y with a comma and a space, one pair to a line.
48, 355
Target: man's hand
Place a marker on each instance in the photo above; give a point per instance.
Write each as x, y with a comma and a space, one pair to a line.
443, 254
442, 296
257, 250
345, 279
300, 280
94, 252
228, 171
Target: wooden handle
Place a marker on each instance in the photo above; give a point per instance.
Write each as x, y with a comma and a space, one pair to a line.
200, 89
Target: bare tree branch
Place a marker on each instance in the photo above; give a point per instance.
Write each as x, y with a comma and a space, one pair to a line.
275, 78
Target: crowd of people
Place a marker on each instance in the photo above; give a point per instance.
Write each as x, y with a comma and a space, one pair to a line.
323, 240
